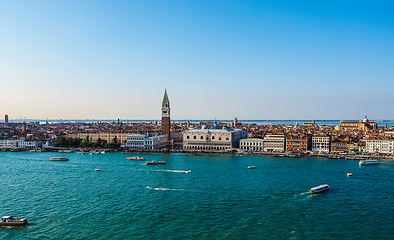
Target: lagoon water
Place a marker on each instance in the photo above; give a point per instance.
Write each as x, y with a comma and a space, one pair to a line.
219, 199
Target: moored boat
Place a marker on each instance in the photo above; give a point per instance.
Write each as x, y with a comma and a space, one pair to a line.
36, 150
65, 151
11, 221
368, 162
320, 189
135, 158
58, 159
154, 162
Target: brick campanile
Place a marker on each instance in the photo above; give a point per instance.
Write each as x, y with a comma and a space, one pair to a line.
165, 117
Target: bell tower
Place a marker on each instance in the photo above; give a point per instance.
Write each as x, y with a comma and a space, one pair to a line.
165, 117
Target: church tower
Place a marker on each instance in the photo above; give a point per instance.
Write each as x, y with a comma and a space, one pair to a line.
165, 117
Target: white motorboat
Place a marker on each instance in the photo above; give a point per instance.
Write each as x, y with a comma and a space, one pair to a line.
320, 189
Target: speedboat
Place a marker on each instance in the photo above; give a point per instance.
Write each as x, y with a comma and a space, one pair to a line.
154, 162
58, 159
252, 167
135, 158
11, 221
368, 162
320, 189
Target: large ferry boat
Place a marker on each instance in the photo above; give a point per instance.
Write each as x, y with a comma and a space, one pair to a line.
320, 189
58, 159
11, 221
154, 162
135, 158
368, 162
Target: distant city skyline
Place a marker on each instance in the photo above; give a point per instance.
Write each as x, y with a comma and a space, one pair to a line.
328, 60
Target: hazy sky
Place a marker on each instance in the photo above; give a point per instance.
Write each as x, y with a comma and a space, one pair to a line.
217, 59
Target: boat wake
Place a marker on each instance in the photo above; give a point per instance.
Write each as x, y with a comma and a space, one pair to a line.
178, 171
165, 189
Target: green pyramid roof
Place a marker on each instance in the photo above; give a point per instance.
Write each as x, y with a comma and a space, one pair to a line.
165, 98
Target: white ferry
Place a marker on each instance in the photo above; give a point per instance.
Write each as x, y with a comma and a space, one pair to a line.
135, 158
320, 189
11, 221
368, 162
58, 159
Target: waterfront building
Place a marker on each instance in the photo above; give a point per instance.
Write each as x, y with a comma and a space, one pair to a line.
8, 143
107, 136
165, 117
274, 143
29, 144
212, 139
252, 144
380, 145
340, 146
321, 143
298, 143
363, 125
141, 141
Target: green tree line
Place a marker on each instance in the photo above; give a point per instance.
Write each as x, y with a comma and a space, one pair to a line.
62, 141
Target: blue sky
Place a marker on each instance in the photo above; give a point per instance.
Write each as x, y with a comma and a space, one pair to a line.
217, 59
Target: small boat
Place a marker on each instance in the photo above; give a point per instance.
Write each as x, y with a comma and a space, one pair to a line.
135, 158
102, 152
11, 221
319, 189
58, 159
349, 174
36, 150
65, 151
154, 162
252, 167
97, 170
82, 153
368, 162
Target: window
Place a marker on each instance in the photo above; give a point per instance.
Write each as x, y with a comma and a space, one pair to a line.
187, 137
202, 137
194, 137
213, 137
220, 138
227, 138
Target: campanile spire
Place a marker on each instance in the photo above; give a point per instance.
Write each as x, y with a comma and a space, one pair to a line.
165, 117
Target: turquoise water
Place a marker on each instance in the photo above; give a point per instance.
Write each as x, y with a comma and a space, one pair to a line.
220, 199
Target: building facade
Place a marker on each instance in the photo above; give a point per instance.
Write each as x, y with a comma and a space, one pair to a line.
376, 145
212, 139
107, 136
274, 143
141, 141
363, 125
339, 146
321, 143
298, 143
252, 144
